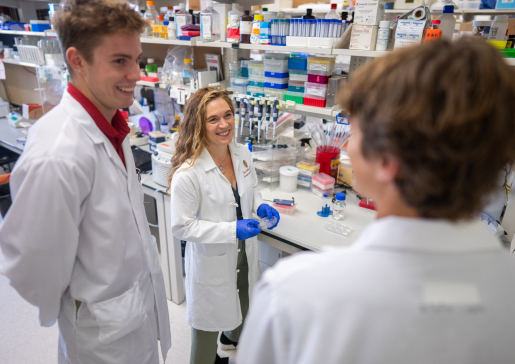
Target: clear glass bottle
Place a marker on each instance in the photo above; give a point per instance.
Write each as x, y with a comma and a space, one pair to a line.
339, 206
188, 73
209, 24
182, 17
169, 12
151, 15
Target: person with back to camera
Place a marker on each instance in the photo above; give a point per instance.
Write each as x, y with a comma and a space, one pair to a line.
426, 282
76, 241
213, 189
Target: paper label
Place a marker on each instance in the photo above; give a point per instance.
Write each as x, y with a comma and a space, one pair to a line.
315, 92
245, 27
318, 67
205, 26
179, 22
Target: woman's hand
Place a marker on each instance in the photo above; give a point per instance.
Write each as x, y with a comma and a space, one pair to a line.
247, 228
265, 210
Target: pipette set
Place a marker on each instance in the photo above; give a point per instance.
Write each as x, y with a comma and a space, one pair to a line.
254, 113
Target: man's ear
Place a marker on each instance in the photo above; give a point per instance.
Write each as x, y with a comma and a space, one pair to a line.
387, 169
75, 59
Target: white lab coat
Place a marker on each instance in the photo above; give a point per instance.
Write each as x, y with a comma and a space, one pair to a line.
407, 291
77, 230
204, 214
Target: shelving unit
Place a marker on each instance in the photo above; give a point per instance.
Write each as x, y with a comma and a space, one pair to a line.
22, 32
19, 63
190, 43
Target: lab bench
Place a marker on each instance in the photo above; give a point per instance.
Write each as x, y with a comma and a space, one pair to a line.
8, 136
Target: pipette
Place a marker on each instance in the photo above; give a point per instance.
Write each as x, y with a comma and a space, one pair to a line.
260, 117
243, 114
267, 118
275, 114
237, 116
251, 115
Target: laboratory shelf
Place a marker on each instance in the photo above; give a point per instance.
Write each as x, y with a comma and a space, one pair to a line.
263, 47
359, 53
200, 43
19, 63
22, 32
317, 112
168, 41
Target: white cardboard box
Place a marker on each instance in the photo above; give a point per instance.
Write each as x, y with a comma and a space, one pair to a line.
223, 10
409, 32
369, 12
363, 37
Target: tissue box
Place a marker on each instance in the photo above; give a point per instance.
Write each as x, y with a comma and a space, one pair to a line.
369, 12
363, 37
409, 32
35, 111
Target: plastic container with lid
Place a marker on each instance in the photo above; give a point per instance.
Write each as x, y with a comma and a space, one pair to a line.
272, 92
255, 91
469, 5
257, 82
322, 184
245, 27
448, 21
296, 86
325, 64
256, 28
481, 28
297, 97
315, 92
182, 17
277, 83
245, 68
276, 65
296, 75
320, 79
339, 206
308, 168
256, 69
435, 24
298, 63
188, 73
332, 14
304, 181
499, 28
239, 85
288, 178
277, 74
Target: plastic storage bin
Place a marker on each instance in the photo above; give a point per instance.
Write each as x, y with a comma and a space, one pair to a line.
296, 97
276, 62
322, 183
321, 79
239, 85
257, 82
298, 63
256, 69
277, 83
323, 64
315, 94
255, 91
308, 168
245, 68
296, 86
277, 74
303, 181
298, 75
272, 92
39, 25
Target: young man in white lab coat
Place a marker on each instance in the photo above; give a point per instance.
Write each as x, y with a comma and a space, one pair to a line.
76, 241
427, 282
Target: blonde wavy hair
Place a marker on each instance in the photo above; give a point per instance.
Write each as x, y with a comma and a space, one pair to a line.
192, 131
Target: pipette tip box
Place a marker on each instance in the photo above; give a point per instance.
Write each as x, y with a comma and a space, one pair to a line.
285, 210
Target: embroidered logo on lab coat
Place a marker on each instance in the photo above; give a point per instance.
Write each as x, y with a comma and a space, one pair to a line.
246, 171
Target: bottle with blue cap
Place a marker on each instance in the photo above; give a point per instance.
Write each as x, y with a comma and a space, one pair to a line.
447, 22
339, 206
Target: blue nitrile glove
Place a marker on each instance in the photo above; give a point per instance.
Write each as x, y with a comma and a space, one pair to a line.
247, 228
265, 210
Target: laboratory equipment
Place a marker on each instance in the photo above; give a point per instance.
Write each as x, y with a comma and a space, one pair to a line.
209, 23
283, 202
162, 161
285, 209
315, 94
308, 169
448, 21
334, 87
288, 178
326, 206
367, 204
345, 176
151, 16
338, 228
266, 222
382, 35
237, 117
297, 97
188, 73
339, 206
239, 85
322, 184
233, 28
171, 28
182, 17
274, 93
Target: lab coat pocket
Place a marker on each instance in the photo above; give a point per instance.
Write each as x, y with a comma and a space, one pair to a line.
120, 315
210, 271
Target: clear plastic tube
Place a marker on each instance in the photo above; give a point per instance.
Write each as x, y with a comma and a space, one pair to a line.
318, 28
331, 28
291, 27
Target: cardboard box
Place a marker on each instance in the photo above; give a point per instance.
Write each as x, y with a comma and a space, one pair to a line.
409, 32
35, 111
369, 12
511, 26
467, 27
363, 37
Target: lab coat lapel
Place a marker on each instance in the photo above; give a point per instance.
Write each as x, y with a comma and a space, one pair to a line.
237, 168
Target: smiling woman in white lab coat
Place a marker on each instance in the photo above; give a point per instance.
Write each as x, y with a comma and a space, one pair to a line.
427, 282
213, 195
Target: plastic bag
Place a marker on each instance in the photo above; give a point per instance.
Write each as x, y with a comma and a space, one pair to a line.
174, 64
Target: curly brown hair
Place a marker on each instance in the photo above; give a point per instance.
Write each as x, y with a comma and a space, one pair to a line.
83, 23
192, 131
444, 112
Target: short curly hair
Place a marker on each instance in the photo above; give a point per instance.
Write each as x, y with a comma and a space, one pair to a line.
83, 23
445, 113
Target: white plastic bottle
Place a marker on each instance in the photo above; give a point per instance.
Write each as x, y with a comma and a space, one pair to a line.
382, 35
448, 21
209, 24
499, 28
150, 16
235, 11
182, 17
332, 14
171, 28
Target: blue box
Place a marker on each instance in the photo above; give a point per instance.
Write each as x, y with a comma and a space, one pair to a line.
504, 5
293, 88
277, 74
298, 63
39, 27
277, 86
13, 25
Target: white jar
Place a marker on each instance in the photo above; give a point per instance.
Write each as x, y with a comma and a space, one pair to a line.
288, 181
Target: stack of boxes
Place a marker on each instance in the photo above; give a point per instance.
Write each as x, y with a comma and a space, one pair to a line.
298, 69
306, 172
276, 75
320, 70
256, 70
367, 15
322, 184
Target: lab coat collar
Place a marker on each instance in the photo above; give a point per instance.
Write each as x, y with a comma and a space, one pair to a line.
86, 122
427, 235
208, 163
